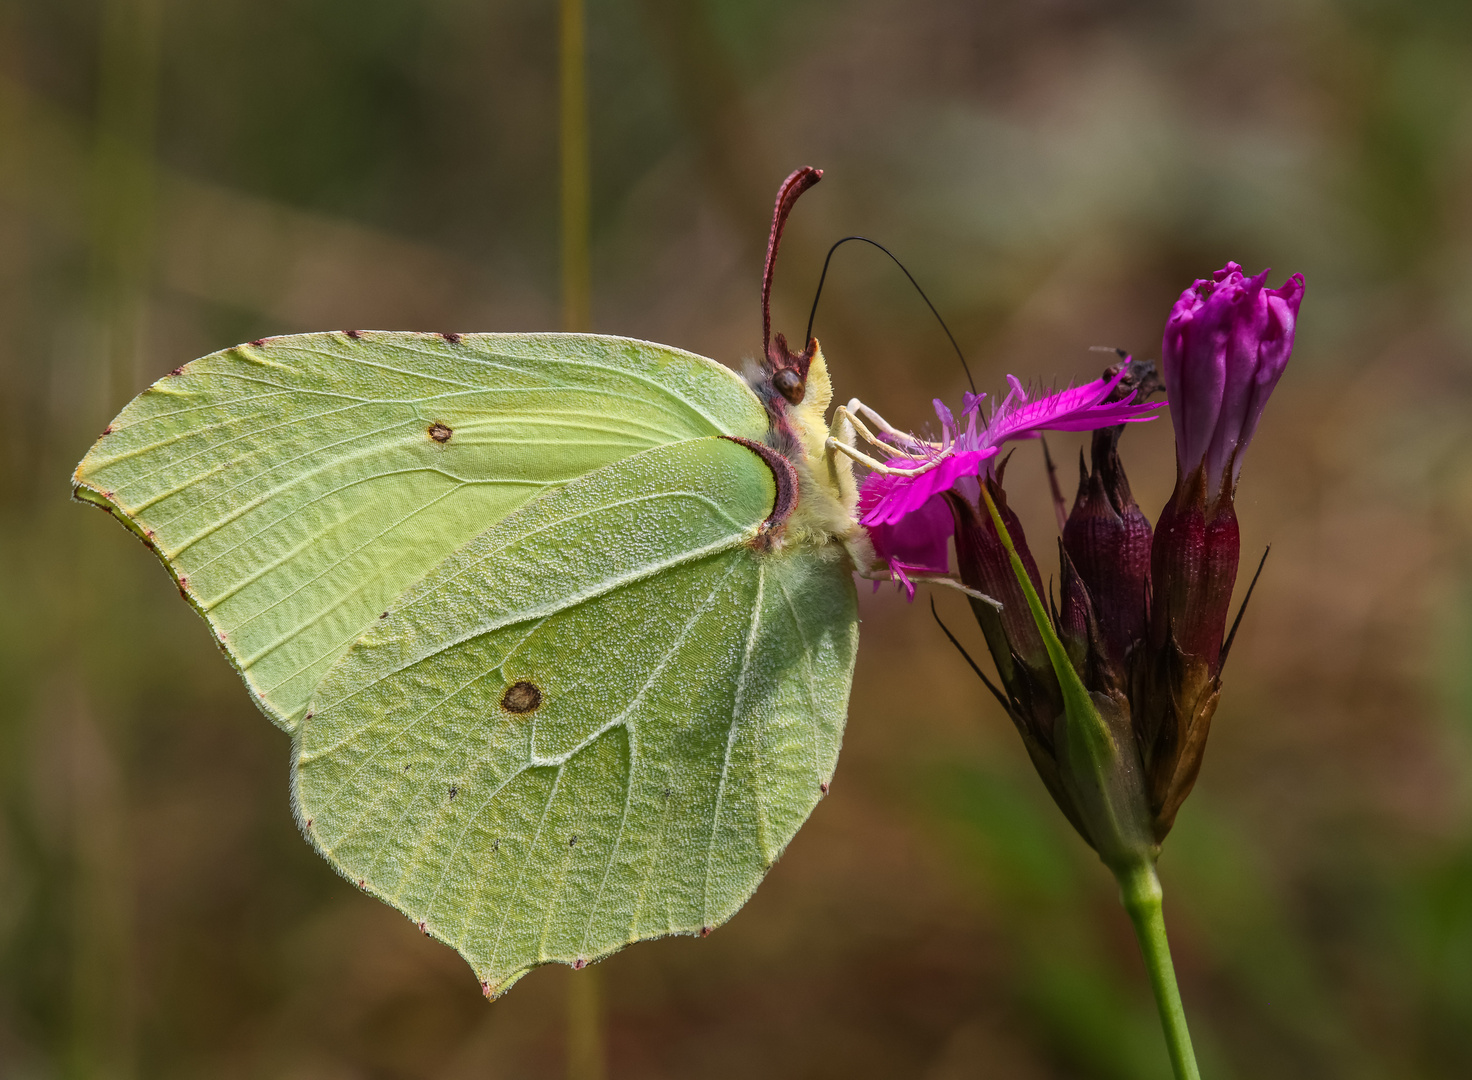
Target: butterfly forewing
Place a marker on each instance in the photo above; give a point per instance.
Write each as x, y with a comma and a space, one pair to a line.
600, 721
297, 486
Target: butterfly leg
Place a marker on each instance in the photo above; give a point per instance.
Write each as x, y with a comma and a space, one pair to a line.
856, 408
847, 422
880, 467
875, 573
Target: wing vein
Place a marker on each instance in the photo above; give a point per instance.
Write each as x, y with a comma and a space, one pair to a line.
736, 715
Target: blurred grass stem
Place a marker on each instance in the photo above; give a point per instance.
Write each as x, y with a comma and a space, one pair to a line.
123, 187
585, 1057
103, 1036
576, 184
585, 1054
1140, 892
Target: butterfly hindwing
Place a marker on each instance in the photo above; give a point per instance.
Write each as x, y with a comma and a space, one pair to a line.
599, 721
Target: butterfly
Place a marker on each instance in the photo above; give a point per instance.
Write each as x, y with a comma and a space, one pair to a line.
562, 626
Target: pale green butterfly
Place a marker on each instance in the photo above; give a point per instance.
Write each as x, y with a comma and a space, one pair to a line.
562, 626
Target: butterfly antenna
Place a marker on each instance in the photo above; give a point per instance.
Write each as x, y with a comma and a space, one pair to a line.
813, 314
1232, 634
1001, 699
787, 195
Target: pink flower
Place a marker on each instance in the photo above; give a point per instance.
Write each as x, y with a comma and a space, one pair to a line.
1226, 344
907, 516
963, 453
914, 544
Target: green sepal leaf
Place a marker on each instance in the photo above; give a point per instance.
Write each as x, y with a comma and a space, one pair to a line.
1098, 761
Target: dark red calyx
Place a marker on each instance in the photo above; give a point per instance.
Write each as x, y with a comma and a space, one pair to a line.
1075, 615
1080, 630
1193, 562
1011, 635
1193, 567
1107, 537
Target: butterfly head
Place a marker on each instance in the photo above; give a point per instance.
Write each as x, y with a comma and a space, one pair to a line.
794, 388
789, 370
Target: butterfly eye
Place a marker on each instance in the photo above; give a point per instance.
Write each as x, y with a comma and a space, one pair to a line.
790, 385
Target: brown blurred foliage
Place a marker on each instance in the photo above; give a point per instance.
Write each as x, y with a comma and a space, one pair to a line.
176, 177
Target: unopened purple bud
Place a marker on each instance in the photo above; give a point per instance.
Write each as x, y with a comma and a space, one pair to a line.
1226, 344
1107, 537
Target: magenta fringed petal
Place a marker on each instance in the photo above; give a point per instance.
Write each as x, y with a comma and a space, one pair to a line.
893, 497
887, 499
1079, 408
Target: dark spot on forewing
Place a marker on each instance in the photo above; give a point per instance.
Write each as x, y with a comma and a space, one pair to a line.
521, 697
439, 432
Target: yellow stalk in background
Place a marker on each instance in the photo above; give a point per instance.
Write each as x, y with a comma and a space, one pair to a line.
123, 186
103, 1020
585, 1054
576, 185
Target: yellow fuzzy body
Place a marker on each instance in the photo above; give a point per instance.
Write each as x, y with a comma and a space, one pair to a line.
828, 495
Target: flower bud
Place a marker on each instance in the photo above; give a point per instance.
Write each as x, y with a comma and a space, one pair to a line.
1107, 538
1226, 344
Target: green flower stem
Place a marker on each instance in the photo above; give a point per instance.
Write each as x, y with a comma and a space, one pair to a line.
1139, 887
1140, 892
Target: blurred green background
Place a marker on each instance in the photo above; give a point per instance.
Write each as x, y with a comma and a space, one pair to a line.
179, 176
